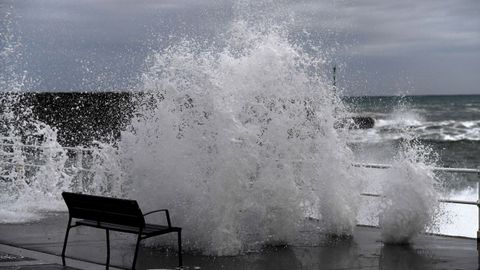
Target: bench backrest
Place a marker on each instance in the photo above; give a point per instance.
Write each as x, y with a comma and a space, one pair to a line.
104, 209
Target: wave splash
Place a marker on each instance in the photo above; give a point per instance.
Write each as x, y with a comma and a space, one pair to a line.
240, 144
409, 205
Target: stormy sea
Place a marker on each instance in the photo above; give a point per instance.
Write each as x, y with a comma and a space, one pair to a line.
242, 135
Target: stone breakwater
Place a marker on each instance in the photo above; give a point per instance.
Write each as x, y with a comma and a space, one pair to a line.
79, 117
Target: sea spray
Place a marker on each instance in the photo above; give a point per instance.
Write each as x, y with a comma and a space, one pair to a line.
11, 78
26, 188
105, 176
237, 140
34, 167
32, 163
239, 143
410, 199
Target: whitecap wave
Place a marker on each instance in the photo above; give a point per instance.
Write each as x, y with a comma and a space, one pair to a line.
393, 129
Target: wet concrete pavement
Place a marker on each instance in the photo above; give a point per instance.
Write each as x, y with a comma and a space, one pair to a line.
38, 245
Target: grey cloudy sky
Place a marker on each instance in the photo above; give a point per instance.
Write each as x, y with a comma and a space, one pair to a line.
382, 47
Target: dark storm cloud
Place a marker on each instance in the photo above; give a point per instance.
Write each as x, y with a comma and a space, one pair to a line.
390, 47
386, 24
100, 45
410, 26
382, 46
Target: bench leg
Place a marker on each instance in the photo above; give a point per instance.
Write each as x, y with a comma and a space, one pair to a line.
108, 249
179, 234
65, 241
136, 251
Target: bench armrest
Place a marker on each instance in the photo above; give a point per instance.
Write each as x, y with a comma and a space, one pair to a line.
161, 210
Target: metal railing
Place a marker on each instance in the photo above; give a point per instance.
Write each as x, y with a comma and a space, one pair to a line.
79, 153
20, 164
435, 169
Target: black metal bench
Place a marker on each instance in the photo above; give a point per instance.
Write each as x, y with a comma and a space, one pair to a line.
113, 214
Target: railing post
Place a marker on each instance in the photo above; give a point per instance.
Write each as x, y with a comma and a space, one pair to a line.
478, 208
19, 168
79, 165
478, 229
20, 176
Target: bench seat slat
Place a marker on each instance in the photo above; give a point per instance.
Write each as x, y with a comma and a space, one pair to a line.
149, 229
104, 209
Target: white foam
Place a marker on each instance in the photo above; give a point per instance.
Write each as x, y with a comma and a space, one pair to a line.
409, 203
390, 129
240, 144
401, 119
34, 176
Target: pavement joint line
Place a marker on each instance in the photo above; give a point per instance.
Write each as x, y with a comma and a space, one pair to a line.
21, 263
47, 258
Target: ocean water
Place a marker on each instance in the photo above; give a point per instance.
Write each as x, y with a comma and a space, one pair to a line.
449, 126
